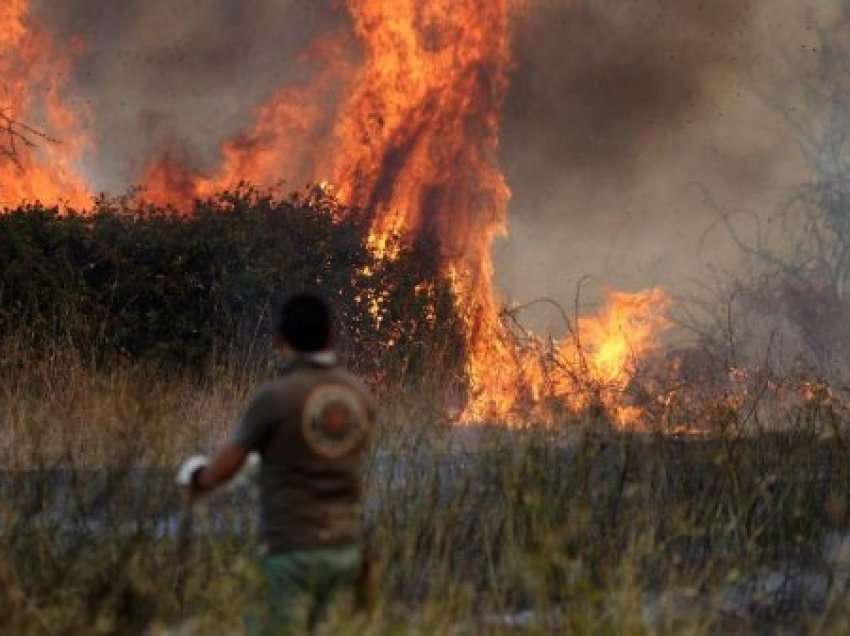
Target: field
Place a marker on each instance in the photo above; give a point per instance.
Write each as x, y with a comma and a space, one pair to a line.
576, 528
726, 511
630, 417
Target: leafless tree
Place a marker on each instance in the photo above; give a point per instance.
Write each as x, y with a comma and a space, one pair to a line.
824, 135
806, 282
17, 137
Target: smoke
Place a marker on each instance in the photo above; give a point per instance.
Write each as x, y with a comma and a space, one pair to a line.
181, 76
616, 111
597, 82
621, 116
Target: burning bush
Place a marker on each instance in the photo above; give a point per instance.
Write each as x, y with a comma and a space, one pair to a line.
151, 283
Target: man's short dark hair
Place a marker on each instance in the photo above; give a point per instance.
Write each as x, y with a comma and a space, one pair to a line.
304, 321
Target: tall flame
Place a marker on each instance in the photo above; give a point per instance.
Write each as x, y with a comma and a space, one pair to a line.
418, 144
33, 73
410, 139
417, 149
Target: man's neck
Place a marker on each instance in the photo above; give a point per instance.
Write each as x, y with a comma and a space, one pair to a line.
324, 358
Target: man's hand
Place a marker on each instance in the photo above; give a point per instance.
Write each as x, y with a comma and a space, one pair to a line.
188, 470
199, 474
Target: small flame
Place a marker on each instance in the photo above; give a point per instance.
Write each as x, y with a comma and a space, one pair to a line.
34, 165
590, 368
625, 331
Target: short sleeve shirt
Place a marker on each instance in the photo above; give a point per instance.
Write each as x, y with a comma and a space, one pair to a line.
312, 427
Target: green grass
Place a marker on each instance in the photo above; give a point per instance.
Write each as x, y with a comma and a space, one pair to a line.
575, 528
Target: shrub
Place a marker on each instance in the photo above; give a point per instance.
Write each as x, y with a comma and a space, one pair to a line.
150, 283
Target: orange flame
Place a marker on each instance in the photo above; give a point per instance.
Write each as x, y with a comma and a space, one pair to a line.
411, 140
286, 139
624, 332
590, 368
418, 140
36, 166
609, 347
417, 145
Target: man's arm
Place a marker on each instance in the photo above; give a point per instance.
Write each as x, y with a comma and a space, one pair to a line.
252, 433
224, 465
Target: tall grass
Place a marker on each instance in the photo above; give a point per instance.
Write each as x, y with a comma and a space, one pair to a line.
574, 528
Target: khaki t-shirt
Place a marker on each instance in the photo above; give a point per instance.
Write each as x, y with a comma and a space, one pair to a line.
311, 427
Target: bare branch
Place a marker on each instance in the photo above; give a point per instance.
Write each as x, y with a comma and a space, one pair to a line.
17, 137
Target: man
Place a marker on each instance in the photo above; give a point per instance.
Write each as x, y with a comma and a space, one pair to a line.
311, 428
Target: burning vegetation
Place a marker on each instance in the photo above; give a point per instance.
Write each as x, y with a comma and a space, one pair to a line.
33, 72
399, 122
410, 146
632, 483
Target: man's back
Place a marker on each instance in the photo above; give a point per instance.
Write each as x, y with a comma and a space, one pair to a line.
311, 427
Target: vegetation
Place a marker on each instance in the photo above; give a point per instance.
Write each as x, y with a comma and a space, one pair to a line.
132, 338
572, 529
136, 282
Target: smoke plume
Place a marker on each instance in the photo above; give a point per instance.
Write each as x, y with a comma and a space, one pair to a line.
597, 82
614, 112
620, 117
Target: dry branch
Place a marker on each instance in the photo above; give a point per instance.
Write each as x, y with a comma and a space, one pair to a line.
16, 136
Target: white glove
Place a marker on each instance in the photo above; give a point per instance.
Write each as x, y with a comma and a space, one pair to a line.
248, 473
188, 469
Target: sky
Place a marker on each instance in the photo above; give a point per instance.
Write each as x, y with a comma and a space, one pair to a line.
621, 118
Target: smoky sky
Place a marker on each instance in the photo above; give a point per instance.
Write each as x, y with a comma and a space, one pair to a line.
181, 76
616, 109
596, 83
621, 117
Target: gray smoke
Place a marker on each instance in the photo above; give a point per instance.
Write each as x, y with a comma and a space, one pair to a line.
598, 82
180, 76
621, 116
617, 111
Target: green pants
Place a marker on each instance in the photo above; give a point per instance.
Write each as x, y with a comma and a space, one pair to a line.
300, 585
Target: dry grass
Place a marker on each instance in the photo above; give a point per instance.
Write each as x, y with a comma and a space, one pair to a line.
572, 529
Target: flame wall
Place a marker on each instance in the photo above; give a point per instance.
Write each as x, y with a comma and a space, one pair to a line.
402, 105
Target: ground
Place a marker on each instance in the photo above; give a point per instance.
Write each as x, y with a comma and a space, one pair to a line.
575, 527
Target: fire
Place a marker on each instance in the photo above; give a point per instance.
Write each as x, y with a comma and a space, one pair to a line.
34, 165
624, 332
589, 369
417, 144
286, 139
418, 140
609, 346
409, 138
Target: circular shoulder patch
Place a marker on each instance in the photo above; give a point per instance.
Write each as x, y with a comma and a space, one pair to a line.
333, 421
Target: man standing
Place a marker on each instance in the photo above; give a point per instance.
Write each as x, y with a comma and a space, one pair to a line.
311, 428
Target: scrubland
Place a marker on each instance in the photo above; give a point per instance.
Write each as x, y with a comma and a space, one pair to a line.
132, 338
575, 527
